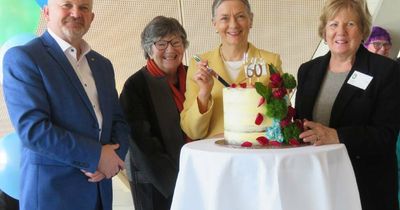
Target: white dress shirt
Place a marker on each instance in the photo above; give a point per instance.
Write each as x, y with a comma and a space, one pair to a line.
83, 71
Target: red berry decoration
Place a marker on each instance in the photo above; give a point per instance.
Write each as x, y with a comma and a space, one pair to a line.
279, 93
243, 85
300, 124
294, 142
246, 144
233, 85
261, 101
262, 140
285, 122
259, 119
276, 80
275, 143
291, 112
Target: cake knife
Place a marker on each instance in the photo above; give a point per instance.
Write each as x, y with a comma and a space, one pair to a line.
210, 70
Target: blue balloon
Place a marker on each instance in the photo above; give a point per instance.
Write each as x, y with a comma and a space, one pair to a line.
41, 3
10, 156
19, 39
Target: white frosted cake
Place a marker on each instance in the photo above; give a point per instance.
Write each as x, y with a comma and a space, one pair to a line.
261, 114
244, 116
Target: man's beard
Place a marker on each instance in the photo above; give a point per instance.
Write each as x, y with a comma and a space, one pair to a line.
74, 33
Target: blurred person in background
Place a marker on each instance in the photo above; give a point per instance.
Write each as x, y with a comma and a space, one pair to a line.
379, 41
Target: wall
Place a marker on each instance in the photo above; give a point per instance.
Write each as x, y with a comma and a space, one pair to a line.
288, 27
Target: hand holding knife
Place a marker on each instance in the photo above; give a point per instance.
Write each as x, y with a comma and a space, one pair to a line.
210, 70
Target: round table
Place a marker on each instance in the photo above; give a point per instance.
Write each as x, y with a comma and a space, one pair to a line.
221, 177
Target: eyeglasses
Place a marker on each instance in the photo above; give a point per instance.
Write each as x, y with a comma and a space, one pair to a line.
379, 45
163, 44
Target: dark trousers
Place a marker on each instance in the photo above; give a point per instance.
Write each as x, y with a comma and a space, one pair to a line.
7, 202
147, 197
99, 205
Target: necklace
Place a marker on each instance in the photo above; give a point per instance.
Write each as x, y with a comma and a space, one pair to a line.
232, 68
232, 65
225, 60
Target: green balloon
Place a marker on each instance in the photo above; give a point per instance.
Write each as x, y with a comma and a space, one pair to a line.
18, 16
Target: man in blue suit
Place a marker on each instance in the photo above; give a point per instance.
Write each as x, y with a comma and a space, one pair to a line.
62, 101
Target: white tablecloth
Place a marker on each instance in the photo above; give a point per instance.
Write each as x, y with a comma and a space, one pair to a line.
216, 177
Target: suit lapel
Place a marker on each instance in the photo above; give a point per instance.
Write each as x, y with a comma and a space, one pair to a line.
219, 67
311, 89
348, 91
58, 55
100, 81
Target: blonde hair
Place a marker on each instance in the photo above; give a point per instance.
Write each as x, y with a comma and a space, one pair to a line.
358, 7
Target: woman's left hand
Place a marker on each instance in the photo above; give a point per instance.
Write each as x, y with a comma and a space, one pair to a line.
319, 134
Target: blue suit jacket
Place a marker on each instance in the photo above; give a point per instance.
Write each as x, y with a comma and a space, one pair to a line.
57, 125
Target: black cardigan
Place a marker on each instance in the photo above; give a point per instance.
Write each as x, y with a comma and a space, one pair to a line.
157, 137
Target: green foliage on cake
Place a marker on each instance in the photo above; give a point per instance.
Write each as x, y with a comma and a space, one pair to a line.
284, 130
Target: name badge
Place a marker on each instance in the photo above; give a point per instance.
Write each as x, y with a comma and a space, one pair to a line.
359, 80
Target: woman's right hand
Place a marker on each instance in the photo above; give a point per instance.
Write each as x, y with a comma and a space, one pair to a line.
205, 81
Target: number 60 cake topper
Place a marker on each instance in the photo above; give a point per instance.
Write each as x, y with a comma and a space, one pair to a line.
254, 67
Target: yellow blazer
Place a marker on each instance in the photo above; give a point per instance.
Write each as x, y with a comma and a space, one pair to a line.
211, 123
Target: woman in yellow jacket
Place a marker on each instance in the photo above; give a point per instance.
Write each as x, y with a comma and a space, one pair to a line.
202, 116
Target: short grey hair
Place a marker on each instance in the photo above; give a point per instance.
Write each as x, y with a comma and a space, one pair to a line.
217, 3
159, 27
